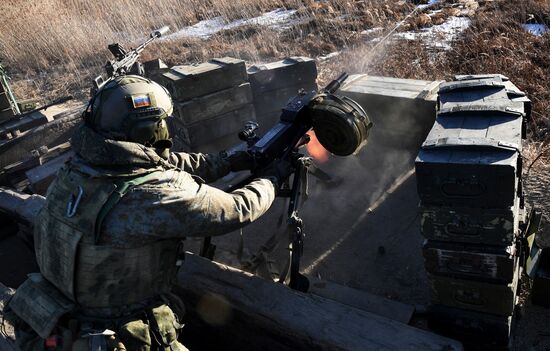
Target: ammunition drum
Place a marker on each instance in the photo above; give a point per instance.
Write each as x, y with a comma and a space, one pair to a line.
341, 125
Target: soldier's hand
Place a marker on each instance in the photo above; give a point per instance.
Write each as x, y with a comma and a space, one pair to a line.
277, 171
240, 160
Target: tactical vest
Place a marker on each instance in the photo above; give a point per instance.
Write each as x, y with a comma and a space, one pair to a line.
90, 274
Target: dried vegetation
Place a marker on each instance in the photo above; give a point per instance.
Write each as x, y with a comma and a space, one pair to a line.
54, 47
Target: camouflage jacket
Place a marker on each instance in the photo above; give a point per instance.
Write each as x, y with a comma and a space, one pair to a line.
179, 203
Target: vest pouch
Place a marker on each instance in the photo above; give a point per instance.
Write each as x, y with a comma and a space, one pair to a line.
40, 304
165, 328
135, 335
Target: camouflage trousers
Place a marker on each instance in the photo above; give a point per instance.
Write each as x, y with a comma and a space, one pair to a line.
157, 331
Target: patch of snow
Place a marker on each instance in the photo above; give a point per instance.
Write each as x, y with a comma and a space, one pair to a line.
328, 56
439, 36
536, 28
279, 19
430, 3
374, 30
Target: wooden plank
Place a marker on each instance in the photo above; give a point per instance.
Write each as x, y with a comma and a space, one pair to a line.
362, 300
237, 309
50, 134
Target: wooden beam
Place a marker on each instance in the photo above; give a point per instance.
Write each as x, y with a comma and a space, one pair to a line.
236, 309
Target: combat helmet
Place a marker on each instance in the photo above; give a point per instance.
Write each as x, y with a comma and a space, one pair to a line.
131, 108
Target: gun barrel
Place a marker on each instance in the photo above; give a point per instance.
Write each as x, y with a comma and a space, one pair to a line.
336, 84
160, 32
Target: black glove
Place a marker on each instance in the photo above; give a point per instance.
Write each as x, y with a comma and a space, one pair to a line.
277, 171
239, 160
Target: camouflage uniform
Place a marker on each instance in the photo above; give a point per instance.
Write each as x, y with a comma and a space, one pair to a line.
118, 261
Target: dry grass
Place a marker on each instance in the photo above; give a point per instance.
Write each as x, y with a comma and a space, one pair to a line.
494, 43
55, 47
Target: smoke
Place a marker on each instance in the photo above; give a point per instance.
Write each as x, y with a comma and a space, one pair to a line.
376, 185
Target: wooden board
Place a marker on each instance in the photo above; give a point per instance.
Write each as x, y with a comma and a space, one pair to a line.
239, 310
395, 310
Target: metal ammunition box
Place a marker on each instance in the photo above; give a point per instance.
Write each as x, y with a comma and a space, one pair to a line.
26, 105
269, 105
402, 110
470, 225
498, 299
273, 84
479, 262
215, 104
189, 81
4, 101
471, 156
300, 71
6, 114
154, 69
468, 326
207, 131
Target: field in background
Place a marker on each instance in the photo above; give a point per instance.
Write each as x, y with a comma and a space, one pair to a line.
55, 47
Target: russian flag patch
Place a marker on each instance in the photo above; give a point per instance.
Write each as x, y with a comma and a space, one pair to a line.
140, 101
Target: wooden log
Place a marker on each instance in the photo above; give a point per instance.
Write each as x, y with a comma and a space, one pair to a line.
395, 310
238, 310
22, 207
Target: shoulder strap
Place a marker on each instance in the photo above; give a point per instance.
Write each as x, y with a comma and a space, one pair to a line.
123, 186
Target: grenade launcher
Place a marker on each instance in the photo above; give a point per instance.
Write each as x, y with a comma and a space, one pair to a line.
341, 126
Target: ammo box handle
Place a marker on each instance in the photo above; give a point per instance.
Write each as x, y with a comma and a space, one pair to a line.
486, 108
454, 229
469, 143
469, 298
460, 187
484, 83
463, 267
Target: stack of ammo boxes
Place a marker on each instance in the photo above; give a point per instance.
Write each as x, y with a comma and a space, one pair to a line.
273, 84
212, 103
469, 183
214, 100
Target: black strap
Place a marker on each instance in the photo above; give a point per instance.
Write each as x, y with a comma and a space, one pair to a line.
122, 188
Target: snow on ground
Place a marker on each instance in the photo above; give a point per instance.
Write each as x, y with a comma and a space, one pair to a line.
279, 19
536, 28
439, 37
430, 3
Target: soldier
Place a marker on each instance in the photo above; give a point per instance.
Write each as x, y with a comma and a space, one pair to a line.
108, 240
